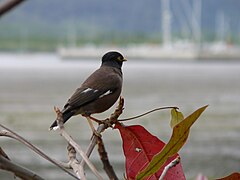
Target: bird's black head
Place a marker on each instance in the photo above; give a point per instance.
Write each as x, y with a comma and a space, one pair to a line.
113, 58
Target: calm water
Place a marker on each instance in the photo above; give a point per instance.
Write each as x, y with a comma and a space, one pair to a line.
30, 85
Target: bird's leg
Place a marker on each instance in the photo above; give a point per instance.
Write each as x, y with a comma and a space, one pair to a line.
96, 120
92, 127
105, 121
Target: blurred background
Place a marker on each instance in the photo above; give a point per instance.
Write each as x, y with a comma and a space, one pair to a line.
180, 53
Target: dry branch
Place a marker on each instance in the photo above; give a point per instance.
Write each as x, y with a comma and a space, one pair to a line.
18, 170
2, 153
105, 124
76, 146
104, 157
9, 5
9, 133
74, 163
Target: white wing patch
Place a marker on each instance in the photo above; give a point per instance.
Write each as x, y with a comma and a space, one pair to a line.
106, 93
90, 89
86, 90
55, 128
95, 90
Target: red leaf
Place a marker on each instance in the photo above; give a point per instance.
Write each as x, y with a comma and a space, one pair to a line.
233, 176
139, 147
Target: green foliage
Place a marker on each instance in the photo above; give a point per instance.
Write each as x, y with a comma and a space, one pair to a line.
177, 117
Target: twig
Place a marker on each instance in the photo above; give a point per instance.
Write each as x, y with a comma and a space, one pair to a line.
118, 111
7, 6
92, 144
104, 157
11, 134
74, 144
2, 153
102, 127
74, 163
148, 112
106, 123
18, 170
169, 166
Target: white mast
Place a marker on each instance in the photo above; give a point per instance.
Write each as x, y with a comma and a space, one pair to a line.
166, 23
71, 33
196, 21
222, 27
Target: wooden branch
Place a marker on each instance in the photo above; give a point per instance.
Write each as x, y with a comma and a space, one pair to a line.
2, 153
9, 5
118, 111
169, 166
74, 144
74, 163
105, 124
102, 127
9, 133
18, 170
93, 143
104, 157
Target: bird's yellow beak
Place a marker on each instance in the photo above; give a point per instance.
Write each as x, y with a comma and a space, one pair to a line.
121, 60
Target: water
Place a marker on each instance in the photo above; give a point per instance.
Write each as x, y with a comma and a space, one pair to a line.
30, 85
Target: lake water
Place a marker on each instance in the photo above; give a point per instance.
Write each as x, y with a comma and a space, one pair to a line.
30, 85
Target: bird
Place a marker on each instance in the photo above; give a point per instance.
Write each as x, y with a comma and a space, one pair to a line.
98, 92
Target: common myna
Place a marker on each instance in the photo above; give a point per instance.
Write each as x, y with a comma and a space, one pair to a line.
98, 92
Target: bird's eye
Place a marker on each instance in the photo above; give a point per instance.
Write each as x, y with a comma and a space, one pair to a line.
119, 58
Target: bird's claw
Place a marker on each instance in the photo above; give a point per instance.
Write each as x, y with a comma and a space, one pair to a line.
107, 123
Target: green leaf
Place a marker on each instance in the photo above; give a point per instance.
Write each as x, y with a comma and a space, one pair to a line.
177, 140
177, 117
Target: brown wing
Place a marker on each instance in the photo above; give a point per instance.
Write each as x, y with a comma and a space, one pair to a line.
96, 86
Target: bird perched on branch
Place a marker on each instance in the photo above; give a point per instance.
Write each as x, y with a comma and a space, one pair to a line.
98, 92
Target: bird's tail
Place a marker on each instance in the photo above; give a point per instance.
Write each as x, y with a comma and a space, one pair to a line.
66, 116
